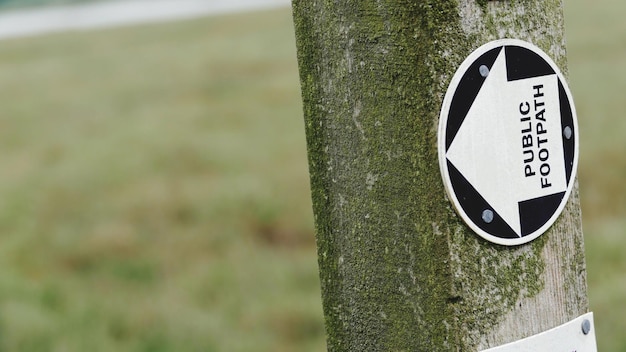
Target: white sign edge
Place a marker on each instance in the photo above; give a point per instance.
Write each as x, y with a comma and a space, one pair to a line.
571, 329
445, 109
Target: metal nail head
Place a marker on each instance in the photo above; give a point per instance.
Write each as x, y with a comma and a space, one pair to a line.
484, 70
567, 132
586, 326
487, 216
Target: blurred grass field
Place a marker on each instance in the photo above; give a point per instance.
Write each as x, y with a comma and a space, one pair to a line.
154, 192
596, 37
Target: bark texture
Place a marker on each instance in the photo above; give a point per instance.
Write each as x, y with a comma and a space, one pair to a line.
399, 269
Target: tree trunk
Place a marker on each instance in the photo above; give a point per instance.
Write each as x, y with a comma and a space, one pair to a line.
399, 270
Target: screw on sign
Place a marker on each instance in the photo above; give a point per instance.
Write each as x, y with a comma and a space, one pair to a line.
508, 141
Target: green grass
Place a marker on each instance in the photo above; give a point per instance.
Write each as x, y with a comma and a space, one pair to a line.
596, 37
154, 190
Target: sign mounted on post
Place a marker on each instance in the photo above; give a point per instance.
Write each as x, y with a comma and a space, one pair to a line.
578, 335
508, 141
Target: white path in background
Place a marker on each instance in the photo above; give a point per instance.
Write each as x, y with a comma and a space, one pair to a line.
118, 13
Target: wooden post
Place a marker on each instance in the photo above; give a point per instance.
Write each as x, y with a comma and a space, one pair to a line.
399, 270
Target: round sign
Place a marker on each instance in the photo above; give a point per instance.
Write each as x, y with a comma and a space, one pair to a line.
508, 141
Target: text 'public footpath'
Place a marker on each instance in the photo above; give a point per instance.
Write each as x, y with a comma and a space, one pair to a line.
534, 139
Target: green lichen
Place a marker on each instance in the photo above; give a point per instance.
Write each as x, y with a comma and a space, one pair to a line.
490, 280
398, 269
482, 3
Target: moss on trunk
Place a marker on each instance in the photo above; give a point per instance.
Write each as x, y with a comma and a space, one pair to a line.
399, 270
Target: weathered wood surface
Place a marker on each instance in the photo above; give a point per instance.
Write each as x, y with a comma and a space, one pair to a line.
399, 269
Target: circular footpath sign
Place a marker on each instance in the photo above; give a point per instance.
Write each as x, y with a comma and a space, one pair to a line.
508, 141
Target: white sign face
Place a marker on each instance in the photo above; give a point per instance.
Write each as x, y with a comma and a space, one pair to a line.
577, 335
508, 141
